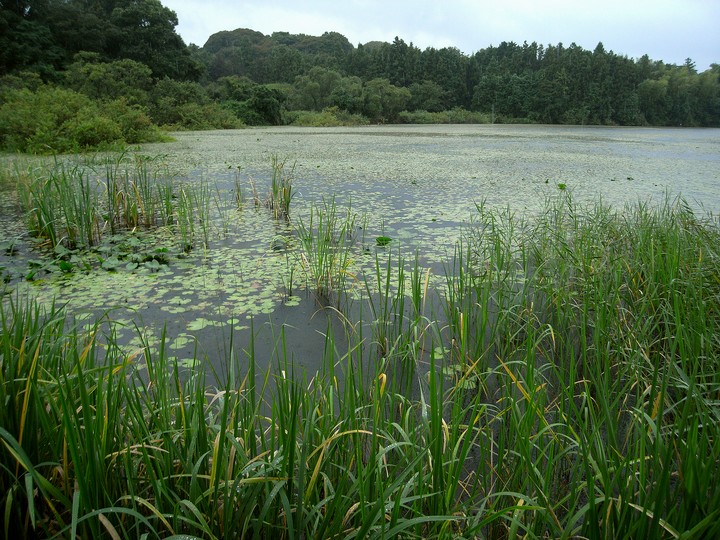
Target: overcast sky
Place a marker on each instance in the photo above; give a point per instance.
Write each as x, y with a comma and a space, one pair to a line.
668, 30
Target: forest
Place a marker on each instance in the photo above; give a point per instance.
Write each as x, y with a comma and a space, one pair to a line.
80, 74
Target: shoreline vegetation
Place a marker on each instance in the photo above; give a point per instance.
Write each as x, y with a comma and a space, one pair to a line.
561, 381
76, 76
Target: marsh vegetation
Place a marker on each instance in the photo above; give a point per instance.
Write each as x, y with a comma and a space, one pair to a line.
550, 371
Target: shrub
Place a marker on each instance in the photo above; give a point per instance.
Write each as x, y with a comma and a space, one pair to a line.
135, 125
109, 80
88, 129
18, 81
457, 115
243, 111
193, 116
418, 117
328, 117
52, 120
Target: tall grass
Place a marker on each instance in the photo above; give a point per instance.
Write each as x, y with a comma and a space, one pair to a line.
604, 359
138, 193
326, 238
281, 188
61, 205
401, 333
585, 403
75, 206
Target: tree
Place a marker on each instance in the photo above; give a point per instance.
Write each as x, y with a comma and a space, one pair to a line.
267, 104
284, 64
146, 33
26, 42
652, 95
382, 101
348, 95
110, 80
313, 91
448, 68
401, 62
45, 35
708, 96
426, 96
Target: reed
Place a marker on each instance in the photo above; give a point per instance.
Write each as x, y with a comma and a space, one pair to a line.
74, 206
281, 188
401, 333
325, 240
62, 206
591, 337
138, 193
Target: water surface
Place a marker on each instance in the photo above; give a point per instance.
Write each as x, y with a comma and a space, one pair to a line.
416, 184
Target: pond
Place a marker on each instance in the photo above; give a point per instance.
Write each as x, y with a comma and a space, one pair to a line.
418, 187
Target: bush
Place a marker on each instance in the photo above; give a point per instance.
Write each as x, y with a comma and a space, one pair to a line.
328, 117
419, 117
169, 95
135, 125
107, 81
33, 121
453, 116
193, 116
18, 81
88, 129
55, 120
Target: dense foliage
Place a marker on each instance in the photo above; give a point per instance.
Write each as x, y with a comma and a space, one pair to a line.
109, 50
44, 35
510, 82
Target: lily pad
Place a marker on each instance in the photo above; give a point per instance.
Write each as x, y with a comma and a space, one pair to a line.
201, 323
111, 264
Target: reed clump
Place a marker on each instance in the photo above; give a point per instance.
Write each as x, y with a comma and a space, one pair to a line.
281, 188
76, 206
565, 384
326, 238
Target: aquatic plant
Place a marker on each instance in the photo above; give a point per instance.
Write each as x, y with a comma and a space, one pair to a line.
61, 204
401, 333
281, 188
73, 208
326, 238
563, 383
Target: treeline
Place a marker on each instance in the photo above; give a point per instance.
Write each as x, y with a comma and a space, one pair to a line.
528, 82
87, 73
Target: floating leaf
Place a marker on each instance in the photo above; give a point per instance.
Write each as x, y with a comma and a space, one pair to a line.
111, 264
187, 363
152, 265
61, 251
183, 340
199, 324
173, 309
